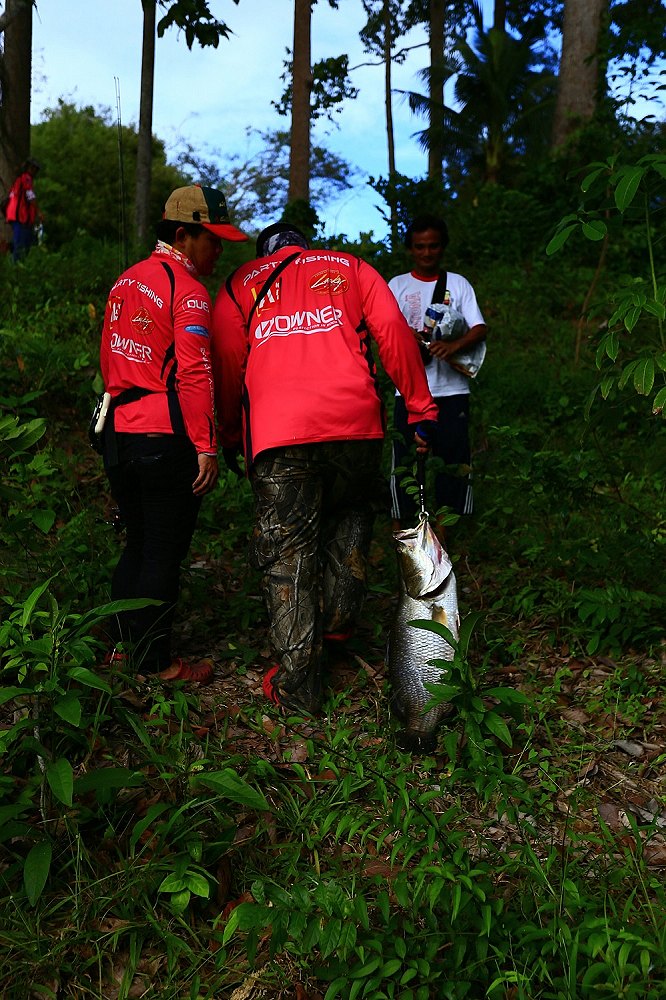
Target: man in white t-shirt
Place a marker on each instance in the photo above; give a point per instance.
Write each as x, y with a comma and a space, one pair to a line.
426, 238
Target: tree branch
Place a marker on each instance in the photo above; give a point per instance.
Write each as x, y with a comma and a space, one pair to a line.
397, 55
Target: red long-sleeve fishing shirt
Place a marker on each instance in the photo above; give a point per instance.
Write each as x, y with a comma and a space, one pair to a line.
304, 370
156, 336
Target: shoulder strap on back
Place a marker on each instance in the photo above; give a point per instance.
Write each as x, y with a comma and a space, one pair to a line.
263, 291
228, 286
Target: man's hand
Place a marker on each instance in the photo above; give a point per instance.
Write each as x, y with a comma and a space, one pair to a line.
207, 477
424, 432
443, 349
422, 447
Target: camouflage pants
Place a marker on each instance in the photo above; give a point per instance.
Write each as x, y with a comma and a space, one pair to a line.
315, 506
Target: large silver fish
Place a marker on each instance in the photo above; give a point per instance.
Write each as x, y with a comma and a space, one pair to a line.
427, 592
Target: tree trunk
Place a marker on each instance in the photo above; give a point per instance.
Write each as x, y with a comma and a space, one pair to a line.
578, 86
499, 15
390, 137
144, 156
436, 91
15, 71
301, 87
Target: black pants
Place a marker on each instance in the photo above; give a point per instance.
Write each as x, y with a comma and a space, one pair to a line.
315, 507
453, 487
152, 485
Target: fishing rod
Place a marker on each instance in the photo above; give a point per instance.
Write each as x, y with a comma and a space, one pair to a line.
121, 171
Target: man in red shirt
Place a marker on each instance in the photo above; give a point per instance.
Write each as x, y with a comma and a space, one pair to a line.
22, 211
297, 389
160, 448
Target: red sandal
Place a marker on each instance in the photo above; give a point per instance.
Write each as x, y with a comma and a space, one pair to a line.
267, 686
200, 671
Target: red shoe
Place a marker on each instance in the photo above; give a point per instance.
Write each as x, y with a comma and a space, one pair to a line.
115, 659
267, 686
290, 702
201, 671
338, 636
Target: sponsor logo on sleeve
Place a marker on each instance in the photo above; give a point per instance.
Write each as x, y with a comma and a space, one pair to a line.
142, 320
199, 331
201, 305
115, 307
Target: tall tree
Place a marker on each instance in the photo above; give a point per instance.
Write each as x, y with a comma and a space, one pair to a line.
388, 21
499, 15
448, 21
503, 95
195, 19
311, 92
144, 152
436, 87
581, 76
15, 70
301, 88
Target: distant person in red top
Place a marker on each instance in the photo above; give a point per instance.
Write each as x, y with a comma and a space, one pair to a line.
297, 391
22, 211
160, 448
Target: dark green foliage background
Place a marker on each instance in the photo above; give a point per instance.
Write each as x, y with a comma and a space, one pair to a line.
564, 556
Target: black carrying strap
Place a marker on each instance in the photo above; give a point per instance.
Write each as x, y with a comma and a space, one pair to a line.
437, 294
110, 444
267, 285
173, 401
440, 287
265, 288
172, 284
131, 396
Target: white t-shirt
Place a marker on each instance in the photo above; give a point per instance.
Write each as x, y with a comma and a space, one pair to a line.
414, 295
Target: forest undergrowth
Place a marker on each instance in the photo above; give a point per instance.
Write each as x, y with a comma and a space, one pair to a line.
167, 841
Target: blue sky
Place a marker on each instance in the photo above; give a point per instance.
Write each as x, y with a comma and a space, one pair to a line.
208, 97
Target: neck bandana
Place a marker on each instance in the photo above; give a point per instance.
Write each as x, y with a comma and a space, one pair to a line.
165, 250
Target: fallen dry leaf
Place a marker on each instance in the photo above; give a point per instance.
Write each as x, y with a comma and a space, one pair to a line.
614, 817
245, 897
654, 852
632, 749
297, 754
249, 989
588, 771
575, 716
